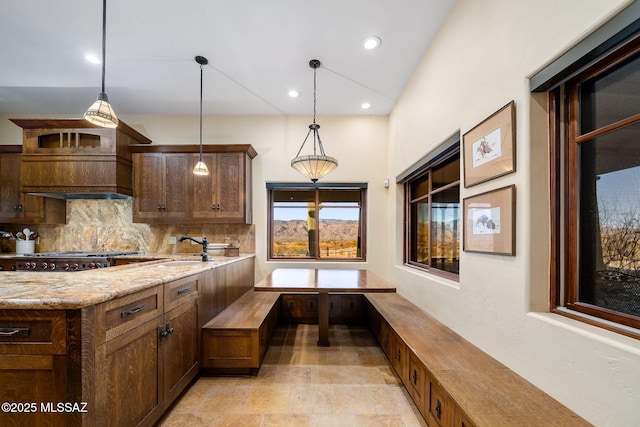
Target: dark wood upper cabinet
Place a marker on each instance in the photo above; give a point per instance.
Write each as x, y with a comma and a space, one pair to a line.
73, 159
167, 191
23, 208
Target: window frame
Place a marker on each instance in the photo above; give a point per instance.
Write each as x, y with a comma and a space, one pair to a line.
445, 152
563, 107
317, 188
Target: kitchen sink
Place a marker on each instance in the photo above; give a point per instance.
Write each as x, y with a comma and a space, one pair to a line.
169, 264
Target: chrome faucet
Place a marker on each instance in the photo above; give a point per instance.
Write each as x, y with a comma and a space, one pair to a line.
205, 245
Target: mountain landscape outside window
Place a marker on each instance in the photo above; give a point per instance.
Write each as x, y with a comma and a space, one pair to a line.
321, 223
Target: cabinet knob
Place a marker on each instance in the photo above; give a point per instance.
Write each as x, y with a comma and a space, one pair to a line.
215, 207
18, 208
438, 409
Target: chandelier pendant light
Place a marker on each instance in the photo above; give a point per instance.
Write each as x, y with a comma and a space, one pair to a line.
200, 167
101, 113
318, 164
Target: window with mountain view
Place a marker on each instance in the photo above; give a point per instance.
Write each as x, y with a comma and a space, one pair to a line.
316, 222
596, 209
432, 210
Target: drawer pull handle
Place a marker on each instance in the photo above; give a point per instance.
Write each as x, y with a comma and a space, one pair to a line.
133, 310
184, 290
415, 377
438, 409
12, 332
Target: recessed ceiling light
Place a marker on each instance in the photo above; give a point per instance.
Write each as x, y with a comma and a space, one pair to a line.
293, 93
365, 105
371, 42
92, 58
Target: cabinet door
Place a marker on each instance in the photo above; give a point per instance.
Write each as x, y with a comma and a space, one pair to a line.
10, 186
230, 175
32, 381
128, 377
205, 189
21, 207
400, 358
148, 186
220, 196
418, 383
180, 349
161, 189
177, 174
441, 407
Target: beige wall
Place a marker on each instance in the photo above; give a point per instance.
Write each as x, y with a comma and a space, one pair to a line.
480, 61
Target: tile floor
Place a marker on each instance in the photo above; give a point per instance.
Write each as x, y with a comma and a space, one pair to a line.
349, 384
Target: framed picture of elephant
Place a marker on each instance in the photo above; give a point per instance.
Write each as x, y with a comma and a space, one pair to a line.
489, 222
489, 148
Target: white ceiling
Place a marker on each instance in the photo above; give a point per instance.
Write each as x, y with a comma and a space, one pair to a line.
257, 51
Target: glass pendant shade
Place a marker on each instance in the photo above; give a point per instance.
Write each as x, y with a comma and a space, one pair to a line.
200, 168
314, 166
101, 113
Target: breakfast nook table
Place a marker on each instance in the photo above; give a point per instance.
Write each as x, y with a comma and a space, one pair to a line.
323, 282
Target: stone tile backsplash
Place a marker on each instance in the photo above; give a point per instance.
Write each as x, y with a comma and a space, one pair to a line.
106, 225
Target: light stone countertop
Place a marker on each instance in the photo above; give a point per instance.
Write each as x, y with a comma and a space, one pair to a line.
74, 290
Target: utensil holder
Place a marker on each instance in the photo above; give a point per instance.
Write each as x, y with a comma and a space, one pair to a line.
230, 251
25, 246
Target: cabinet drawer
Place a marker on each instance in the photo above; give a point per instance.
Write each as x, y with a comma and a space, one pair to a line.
291, 306
399, 357
33, 332
180, 291
441, 408
418, 383
124, 314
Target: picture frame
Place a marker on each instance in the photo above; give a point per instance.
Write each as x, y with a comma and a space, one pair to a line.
489, 222
489, 148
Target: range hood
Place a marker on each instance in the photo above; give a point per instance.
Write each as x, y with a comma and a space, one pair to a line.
74, 159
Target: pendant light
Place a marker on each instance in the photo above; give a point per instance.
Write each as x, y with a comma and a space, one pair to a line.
101, 113
314, 166
200, 167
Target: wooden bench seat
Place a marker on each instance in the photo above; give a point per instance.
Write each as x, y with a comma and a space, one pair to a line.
236, 340
452, 382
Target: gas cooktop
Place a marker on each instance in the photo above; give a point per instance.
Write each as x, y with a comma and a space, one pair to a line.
82, 254
69, 261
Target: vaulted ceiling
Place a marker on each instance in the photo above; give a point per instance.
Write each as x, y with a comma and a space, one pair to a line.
257, 50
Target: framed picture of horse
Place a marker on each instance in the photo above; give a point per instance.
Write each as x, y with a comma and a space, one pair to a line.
489, 222
489, 148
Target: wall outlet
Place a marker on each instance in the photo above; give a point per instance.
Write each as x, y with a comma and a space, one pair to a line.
172, 240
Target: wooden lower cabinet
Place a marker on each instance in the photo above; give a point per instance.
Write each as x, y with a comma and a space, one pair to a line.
303, 308
126, 359
461, 419
441, 407
418, 383
399, 357
144, 369
129, 378
180, 349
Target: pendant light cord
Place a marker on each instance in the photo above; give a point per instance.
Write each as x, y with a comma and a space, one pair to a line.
104, 39
314, 94
200, 112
